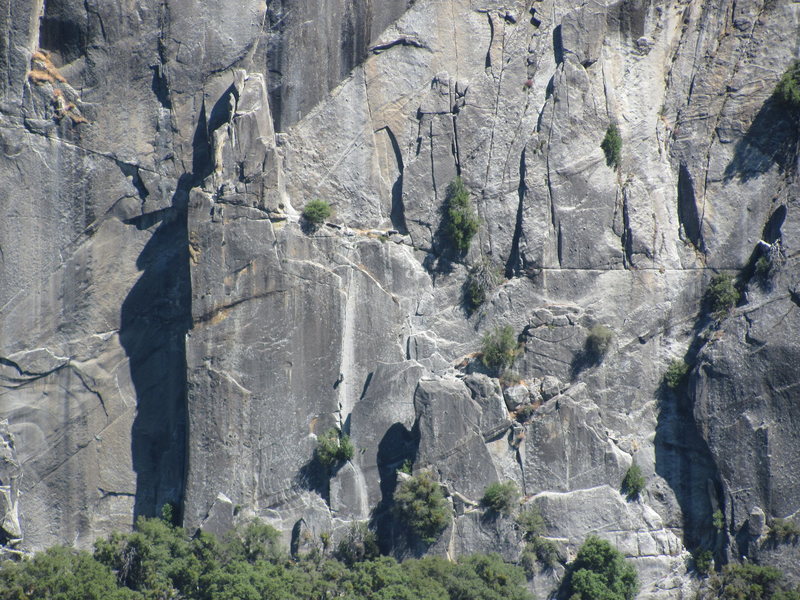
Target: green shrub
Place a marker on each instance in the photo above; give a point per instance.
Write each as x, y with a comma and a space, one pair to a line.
542, 551
718, 520
482, 279
358, 545
600, 572
407, 467
546, 551
332, 448
421, 505
788, 88
676, 373
749, 581
763, 266
634, 482
461, 223
612, 146
316, 211
500, 348
501, 497
722, 294
703, 562
599, 341
530, 522
784, 530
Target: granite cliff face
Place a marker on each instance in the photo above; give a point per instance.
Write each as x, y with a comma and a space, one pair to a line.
172, 330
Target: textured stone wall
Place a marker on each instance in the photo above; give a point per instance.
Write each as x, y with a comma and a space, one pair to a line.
172, 331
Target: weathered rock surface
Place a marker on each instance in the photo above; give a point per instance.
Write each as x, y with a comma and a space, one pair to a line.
172, 330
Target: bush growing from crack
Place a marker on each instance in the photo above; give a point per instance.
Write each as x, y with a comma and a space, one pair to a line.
762, 267
703, 562
482, 279
718, 520
332, 448
537, 548
358, 545
599, 341
499, 348
784, 530
421, 505
788, 88
633, 482
676, 373
612, 146
501, 497
462, 223
722, 294
316, 211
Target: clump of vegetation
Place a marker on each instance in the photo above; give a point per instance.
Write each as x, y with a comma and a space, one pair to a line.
501, 497
524, 412
462, 223
722, 294
333, 447
499, 348
537, 548
788, 88
703, 562
784, 530
599, 341
531, 523
634, 482
421, 505
676, 373
718, 520
158, 561
508, 378
600, 571
358, 545
546, 551
749, 581
316, 211
482, 279
763, 266
407, 467
612, 146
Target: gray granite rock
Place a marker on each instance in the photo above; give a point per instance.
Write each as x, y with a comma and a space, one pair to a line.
169, 332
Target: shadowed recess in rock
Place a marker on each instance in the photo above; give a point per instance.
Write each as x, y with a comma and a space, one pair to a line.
63, 30
397, 446
155, 317
688, 216
772, 139
684, 460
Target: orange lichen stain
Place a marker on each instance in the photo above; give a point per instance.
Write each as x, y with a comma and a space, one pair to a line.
43, 70
64, 108
194, 248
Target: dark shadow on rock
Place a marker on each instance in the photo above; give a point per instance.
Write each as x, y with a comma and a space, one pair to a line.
771, 139
582, 360
689, 217
684, 459
558, 45
155, 317
313, 477
442, 256
397, 446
